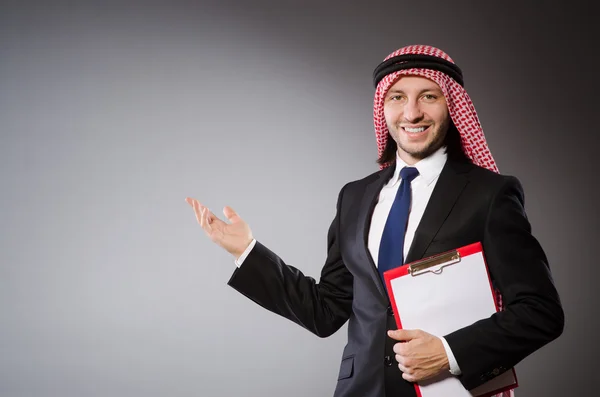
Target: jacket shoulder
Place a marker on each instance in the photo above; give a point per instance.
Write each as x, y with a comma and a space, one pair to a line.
491, 185
479, 174
364, 181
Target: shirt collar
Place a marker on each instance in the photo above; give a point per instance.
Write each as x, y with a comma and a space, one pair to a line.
429, 168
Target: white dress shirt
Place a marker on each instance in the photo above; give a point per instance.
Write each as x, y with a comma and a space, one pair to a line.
422, 186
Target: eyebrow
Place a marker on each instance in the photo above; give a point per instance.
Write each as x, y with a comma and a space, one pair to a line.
397, 91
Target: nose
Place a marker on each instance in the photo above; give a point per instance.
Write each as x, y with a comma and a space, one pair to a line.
412, 111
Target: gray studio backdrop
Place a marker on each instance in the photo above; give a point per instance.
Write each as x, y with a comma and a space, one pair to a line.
112, 113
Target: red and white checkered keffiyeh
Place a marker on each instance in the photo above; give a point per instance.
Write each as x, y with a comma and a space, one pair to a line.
460, 107
462, 112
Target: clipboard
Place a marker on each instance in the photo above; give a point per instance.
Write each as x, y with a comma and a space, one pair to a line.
439, 295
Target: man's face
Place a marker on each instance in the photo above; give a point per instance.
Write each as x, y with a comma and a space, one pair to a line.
417, 117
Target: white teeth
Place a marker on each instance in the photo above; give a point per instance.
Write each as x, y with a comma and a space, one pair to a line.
420, 129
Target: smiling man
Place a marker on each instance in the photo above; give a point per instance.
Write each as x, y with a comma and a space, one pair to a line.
438, 188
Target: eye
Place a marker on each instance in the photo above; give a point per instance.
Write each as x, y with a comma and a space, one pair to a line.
395, 98
430, 98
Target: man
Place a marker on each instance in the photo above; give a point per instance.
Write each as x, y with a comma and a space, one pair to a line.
438, 189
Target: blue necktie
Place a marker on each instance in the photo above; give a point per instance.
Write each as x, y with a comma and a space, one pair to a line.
391, 248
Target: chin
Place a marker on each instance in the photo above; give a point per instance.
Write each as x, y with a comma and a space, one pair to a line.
420, 152
416, 150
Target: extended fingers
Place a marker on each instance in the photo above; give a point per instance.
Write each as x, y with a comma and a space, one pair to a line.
196, 206
193, 202
190, 201
202, 213
205, 219
198, 212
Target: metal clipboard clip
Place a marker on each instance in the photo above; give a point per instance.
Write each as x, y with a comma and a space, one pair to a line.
431, 264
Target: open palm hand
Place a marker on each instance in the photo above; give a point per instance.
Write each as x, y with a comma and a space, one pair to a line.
233, 237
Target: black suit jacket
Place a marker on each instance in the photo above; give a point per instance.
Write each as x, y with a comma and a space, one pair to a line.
469, 204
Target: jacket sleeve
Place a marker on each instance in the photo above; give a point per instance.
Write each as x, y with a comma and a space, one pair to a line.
321, 308
532, 315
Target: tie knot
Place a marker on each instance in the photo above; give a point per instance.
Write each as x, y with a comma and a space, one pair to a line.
409, 173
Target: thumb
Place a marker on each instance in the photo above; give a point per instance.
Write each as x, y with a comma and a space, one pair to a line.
231, 215
404, 334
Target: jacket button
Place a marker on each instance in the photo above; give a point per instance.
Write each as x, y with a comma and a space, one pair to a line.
496, 372
390, 311
387, 360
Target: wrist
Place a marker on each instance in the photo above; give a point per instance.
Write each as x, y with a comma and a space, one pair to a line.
239, 252
444, 354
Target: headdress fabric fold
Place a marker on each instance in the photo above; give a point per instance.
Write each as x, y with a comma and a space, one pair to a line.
461, 109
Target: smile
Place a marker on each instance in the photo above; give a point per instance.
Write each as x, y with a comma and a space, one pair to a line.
420, 129
417, 130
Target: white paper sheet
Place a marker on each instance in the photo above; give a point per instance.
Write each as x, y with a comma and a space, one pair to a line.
442, 303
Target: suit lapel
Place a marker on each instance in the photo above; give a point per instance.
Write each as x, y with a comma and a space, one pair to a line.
448, 188
367, 205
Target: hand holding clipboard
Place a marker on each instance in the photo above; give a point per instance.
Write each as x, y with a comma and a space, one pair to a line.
439, 295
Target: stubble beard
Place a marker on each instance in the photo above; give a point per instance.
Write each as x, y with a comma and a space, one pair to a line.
425, 151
